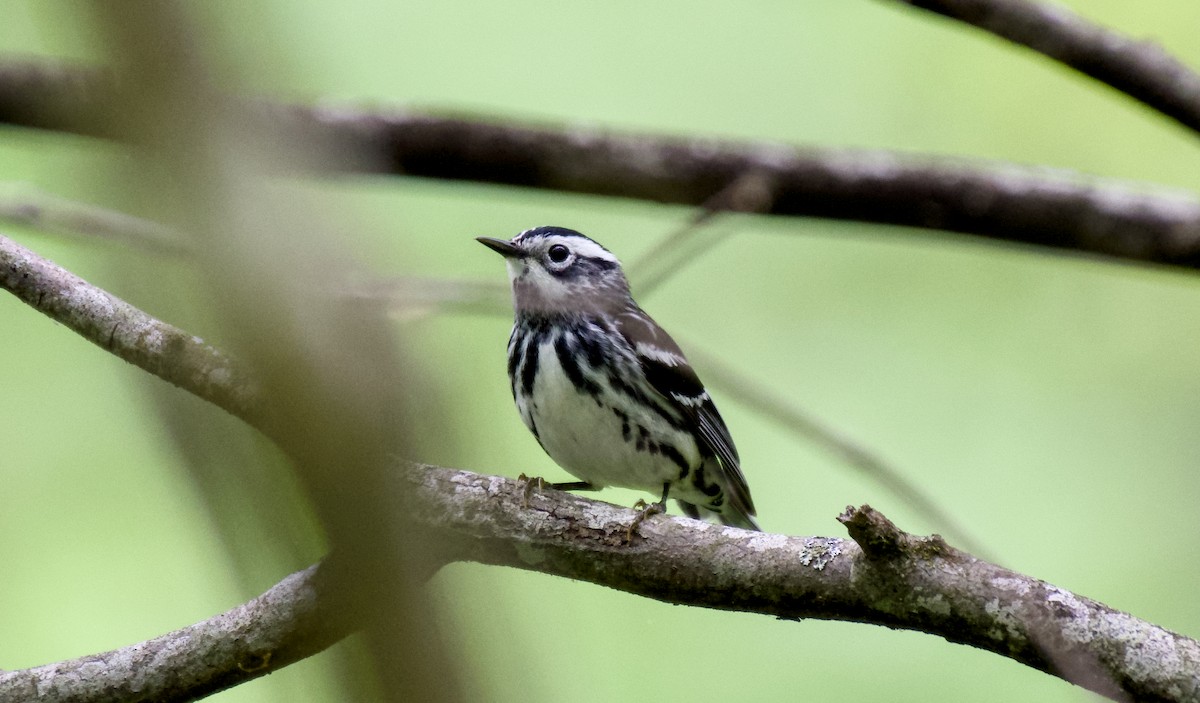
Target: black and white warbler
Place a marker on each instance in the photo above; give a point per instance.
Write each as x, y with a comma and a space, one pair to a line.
606, 391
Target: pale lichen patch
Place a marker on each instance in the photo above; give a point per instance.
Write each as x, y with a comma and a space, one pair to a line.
936, 603
1154, 651
1016, 586
765, 541
818, 553
93, 668
98, 304
220, 376
475, 483
151, 338
1007, 623
494, 485
1077, 625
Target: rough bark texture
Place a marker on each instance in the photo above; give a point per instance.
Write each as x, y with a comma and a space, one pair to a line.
899, 581
882, 576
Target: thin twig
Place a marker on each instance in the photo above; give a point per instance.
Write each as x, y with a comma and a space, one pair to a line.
26, 206
751, 192
783, 412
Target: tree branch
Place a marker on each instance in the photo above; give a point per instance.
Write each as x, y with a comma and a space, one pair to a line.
884, 577
1000, 202
121, 329
1140, 69
293, 620
892, 579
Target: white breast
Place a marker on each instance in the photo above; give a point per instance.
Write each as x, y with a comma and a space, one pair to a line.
591, 440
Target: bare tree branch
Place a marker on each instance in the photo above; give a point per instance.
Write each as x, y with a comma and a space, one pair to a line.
883, 576
1141, 69
293, 620
900, 581
894, 579
1001, 202
121, 329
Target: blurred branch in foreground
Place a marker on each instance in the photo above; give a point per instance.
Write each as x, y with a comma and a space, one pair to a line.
893, 580
339, 412
1002, 202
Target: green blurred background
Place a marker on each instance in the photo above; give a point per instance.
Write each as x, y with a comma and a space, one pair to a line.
1049, 402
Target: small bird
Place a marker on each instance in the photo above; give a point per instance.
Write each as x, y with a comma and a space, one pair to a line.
606, 391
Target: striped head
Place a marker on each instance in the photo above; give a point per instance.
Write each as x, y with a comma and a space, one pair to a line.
554, 270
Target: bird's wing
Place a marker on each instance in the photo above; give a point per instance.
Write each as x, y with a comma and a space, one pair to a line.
669, 373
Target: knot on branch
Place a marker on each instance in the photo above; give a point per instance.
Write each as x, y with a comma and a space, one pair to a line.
881, 539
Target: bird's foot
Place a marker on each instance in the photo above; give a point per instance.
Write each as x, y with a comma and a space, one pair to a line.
527, 491
645, 510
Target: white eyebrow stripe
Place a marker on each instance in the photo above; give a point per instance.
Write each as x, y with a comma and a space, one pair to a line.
582, 247
543, 237
591, 250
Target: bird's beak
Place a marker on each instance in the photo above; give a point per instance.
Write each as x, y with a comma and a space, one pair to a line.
505, 249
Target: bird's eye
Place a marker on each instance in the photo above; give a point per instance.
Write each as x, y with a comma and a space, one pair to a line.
558, 253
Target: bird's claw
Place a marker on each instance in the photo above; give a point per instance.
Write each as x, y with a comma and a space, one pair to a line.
645, 510
527, 491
